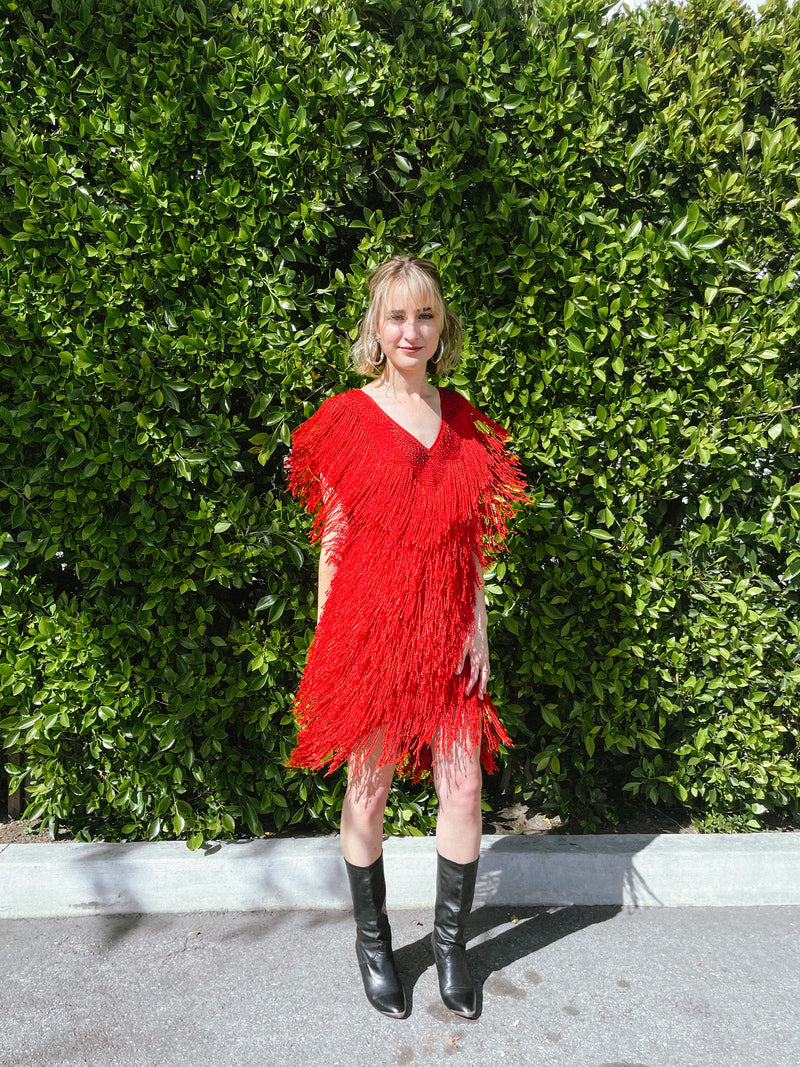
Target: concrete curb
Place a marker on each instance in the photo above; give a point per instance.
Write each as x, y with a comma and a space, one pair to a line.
710, 870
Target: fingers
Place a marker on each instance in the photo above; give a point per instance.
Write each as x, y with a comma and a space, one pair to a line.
479, 672
463, 657
485, 674
474, 672
471, 682
477, 649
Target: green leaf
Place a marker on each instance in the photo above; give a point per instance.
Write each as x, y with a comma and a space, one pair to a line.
295, 553
266, 602
639, 147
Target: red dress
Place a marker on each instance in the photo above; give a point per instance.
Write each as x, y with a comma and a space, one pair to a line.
409, 522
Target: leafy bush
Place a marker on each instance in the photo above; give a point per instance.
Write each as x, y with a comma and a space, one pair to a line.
191, 200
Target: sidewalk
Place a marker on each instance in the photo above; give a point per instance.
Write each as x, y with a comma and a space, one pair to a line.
561, 987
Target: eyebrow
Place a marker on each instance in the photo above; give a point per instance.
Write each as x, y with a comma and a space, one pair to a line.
396, 311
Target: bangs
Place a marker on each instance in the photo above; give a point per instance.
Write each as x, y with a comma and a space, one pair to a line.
412, 290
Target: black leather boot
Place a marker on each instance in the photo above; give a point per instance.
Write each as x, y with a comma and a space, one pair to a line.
374, 939
455, 887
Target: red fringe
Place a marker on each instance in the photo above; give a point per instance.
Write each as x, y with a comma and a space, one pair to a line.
400, 606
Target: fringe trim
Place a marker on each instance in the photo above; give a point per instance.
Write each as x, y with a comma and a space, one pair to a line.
408, 524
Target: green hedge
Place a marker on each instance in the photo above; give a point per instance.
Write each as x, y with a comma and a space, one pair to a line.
190, 199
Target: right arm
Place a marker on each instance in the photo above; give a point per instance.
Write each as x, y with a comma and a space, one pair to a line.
335, 525
327, 569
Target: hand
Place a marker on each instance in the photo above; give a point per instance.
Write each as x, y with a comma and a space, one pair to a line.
477, 648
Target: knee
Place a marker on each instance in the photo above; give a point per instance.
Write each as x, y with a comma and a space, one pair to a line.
463, 794
365, 805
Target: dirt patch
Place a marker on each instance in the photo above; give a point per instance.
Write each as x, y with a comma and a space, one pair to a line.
522, 819
26, 832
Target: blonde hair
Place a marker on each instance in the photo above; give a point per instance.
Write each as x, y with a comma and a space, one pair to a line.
423, 286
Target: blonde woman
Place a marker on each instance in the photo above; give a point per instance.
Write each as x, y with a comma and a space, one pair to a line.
411, 489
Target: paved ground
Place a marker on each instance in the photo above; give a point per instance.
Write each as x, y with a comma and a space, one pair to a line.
562, 987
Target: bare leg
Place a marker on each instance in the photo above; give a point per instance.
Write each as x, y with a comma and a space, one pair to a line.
458, 780
363, 808
457, 773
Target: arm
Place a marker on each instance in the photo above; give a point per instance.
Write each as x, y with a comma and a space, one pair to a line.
327, 569
477, 644
335, 526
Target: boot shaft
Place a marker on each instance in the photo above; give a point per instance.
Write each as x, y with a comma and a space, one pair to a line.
455, 890
368, 890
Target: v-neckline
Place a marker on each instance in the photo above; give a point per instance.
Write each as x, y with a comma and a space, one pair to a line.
402, 429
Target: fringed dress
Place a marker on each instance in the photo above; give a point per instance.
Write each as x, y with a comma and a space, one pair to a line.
411, 527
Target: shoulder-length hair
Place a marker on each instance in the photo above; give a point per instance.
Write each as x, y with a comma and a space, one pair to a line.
423, 285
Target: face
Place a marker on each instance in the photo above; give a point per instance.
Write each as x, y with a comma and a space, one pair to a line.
409, 335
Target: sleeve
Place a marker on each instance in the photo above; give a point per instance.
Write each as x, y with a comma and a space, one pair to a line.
316, 465
502, 482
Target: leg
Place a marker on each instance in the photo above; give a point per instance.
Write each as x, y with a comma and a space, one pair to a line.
362, 810
362, 838
457, 773
458, 779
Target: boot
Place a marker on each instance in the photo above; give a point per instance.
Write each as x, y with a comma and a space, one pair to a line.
455, 886
374, 939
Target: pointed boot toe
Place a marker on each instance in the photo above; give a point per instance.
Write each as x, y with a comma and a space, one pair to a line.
464, 1004
382, 986
456, 987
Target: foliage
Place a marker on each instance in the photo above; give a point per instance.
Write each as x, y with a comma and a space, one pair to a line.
191, 198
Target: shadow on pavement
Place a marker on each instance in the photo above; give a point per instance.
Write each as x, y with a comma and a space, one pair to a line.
532, 929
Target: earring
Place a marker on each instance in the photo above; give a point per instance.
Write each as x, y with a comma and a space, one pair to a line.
440, 350
376, 363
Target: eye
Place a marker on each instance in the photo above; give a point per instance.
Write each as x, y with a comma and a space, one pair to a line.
426, 315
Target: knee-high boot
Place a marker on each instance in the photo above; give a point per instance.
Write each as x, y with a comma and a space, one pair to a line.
374, 939
455, 888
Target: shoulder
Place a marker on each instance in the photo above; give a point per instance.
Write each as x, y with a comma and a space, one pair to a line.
327, 441
330, 411
467, 416
338, 403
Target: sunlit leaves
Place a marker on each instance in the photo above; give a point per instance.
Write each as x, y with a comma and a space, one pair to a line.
192, 198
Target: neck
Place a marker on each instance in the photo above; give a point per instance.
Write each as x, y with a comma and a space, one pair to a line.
411, 383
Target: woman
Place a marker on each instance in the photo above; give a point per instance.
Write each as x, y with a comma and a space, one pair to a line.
411, 489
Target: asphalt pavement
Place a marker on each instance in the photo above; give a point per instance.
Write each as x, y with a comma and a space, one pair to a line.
561, 986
